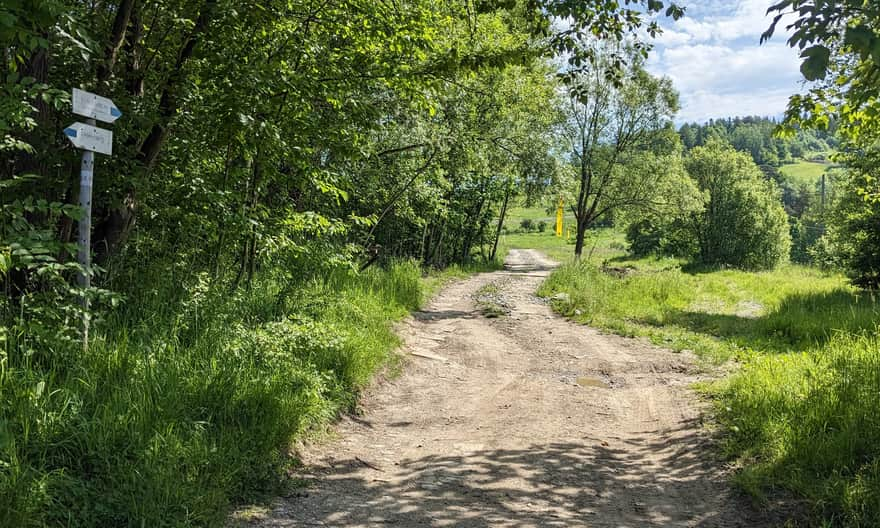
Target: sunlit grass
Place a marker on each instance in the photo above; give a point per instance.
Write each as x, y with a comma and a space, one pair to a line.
804, 172
600, 243
808, 422
801, 412
178, 411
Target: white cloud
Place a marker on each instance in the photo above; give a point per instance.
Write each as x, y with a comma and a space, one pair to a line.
702, 105
725, 68
713, 23
671, 37
713, 57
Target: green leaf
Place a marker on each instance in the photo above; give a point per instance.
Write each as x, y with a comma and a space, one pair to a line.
815, 65
859, 39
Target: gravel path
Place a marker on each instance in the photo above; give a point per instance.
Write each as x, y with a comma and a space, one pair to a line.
524, 420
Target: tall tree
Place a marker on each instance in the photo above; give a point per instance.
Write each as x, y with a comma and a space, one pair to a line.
610, 120
741, 222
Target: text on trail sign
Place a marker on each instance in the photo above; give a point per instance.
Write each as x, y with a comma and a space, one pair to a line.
90, 105
88, 137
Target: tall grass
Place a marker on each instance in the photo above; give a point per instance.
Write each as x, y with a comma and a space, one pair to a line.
808, 422
801, 413
182, 408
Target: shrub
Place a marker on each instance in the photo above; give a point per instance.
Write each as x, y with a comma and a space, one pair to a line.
653, 235
825, 254
527, 225
805, 236
743, 223
853, 239
168, 421
644, 237
542, 226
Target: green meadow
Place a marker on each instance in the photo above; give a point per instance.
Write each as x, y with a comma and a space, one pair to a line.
804, 173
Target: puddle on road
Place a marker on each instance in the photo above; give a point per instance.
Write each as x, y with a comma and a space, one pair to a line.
587, 381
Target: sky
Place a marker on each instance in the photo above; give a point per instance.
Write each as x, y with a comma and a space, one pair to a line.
714, 58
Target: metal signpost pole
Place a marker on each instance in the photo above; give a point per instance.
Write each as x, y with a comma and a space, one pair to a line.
90, 139
83, 253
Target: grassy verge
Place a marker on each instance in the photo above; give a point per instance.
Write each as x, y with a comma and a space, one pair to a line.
808, 422
180, 410
720, 314
800, 413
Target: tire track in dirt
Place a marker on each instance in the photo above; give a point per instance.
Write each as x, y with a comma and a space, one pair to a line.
526, 420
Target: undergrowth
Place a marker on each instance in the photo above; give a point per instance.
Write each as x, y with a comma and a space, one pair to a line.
808, 422
184, 405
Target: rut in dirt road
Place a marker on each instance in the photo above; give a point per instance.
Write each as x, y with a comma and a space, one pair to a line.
526, 420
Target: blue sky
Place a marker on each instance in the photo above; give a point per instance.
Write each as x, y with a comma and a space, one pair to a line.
716, 63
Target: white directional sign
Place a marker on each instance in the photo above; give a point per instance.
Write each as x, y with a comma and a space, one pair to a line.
91, 138
90, 105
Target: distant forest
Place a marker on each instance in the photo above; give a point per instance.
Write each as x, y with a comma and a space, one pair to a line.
805, 194
754, 135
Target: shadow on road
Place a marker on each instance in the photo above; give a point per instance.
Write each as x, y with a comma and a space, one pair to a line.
561, 484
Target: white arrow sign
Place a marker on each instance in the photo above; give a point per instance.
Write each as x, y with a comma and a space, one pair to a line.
91, 138
90, 105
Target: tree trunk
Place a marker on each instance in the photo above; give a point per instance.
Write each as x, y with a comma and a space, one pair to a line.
113, 228
469, 236
579, 240
437, 254
117, 37
582, 212
134, 75
500, 224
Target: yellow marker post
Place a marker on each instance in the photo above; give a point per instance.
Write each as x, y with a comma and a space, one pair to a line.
559, 213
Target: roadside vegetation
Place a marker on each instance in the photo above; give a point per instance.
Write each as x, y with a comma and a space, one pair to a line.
291, 178
798, 345
177, 414
799, 411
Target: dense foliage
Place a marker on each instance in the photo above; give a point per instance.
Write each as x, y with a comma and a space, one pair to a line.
852, 241
840, 48
742, 222
736, 220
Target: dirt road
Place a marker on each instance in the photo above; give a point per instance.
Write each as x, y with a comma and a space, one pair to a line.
525, 420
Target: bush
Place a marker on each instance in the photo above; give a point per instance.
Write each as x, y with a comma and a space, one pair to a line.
743, 223
805, 236
654, 236
542, 226
824, 254
644, 237
527, 225
853, 239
